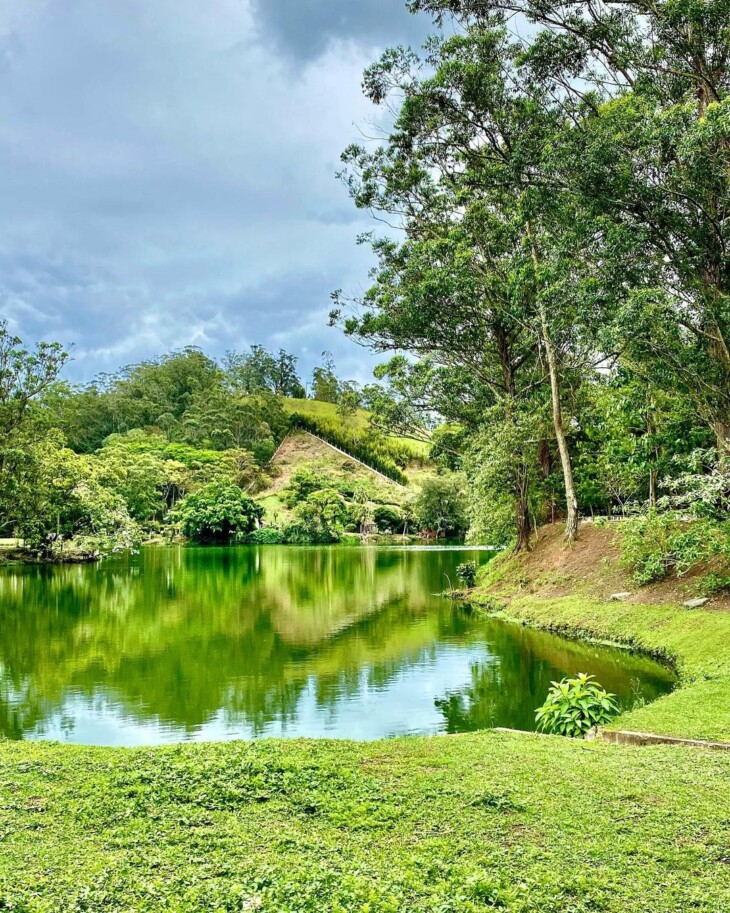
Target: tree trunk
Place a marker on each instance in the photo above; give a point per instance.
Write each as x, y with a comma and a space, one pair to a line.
721, 427
522, 509
652, 488
571, 498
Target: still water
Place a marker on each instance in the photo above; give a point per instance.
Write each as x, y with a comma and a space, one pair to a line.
226, 643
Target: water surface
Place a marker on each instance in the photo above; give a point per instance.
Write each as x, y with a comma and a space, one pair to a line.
224, 643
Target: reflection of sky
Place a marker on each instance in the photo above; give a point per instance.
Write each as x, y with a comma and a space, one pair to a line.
405, 705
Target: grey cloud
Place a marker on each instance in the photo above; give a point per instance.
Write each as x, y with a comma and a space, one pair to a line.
305, 27
167, 179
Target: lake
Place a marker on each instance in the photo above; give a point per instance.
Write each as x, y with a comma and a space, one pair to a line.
186, 643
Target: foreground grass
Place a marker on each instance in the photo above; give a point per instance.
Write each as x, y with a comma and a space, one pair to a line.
696, 641
462, 823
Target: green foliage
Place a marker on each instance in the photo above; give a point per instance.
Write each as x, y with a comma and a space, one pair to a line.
325, 384
713, 584
387, 517
574, 706
267, 535
655, 545
440, 507
467, 573
66, 505
258, 370
216, 513
320, 518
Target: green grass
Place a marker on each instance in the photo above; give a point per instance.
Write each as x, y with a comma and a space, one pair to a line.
464, 823
358, 421
697, 641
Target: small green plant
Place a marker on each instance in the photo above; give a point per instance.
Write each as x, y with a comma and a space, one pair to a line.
712, 584
574, 706
656, 545
467, 573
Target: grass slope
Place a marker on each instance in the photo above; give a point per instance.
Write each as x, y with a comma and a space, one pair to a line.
357, 421
464, 823
697, 641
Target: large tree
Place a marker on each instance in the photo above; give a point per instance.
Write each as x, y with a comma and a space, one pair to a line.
646, 84
492, 280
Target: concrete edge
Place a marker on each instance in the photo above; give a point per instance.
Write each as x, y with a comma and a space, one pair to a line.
638, 739
627, 737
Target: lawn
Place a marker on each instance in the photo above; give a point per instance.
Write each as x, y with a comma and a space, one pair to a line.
461, 823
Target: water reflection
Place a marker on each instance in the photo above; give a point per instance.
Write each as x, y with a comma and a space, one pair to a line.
229, 643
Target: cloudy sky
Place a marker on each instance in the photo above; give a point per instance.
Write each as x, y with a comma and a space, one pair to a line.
167, 172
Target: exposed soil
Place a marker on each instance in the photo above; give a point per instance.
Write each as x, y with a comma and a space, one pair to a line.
301, 449
591, 566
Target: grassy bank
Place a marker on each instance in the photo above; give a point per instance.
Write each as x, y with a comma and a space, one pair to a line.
533, 589
697, 642
464, 823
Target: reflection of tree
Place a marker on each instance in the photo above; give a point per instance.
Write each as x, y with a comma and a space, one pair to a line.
505, 689
180, 635
177, 635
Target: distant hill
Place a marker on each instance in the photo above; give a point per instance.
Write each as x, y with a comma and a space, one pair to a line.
302, 450
353, 433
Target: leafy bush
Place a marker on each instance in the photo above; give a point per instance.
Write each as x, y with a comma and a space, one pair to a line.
467, 573
320, 519
388, 518
267, 535
440, 506
216, 513
655, 545
574, 706
712, 584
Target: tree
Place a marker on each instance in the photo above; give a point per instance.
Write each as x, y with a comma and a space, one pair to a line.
217, 513
440, 507
25, 375
646, 87
258, 369
320, 518
491, 281
325, 385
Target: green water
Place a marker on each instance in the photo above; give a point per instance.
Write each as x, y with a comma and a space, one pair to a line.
193, 643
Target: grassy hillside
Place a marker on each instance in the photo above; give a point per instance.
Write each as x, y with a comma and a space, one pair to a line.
301, 450
356, 427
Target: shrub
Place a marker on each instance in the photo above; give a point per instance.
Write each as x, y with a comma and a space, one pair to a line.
656, 544
388, 518
467, 573
320, 519
574, 706
216, 513
440, 506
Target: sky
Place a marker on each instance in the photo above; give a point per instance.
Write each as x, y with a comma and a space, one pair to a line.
167, 173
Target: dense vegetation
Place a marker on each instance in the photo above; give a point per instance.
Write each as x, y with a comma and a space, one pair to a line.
560, 274
182, 445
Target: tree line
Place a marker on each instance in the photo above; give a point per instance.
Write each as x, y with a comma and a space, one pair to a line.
180, 438
557, 287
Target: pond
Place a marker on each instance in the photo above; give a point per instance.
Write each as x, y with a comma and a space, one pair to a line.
223, 643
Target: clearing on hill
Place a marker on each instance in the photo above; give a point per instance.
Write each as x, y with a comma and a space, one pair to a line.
301, 449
